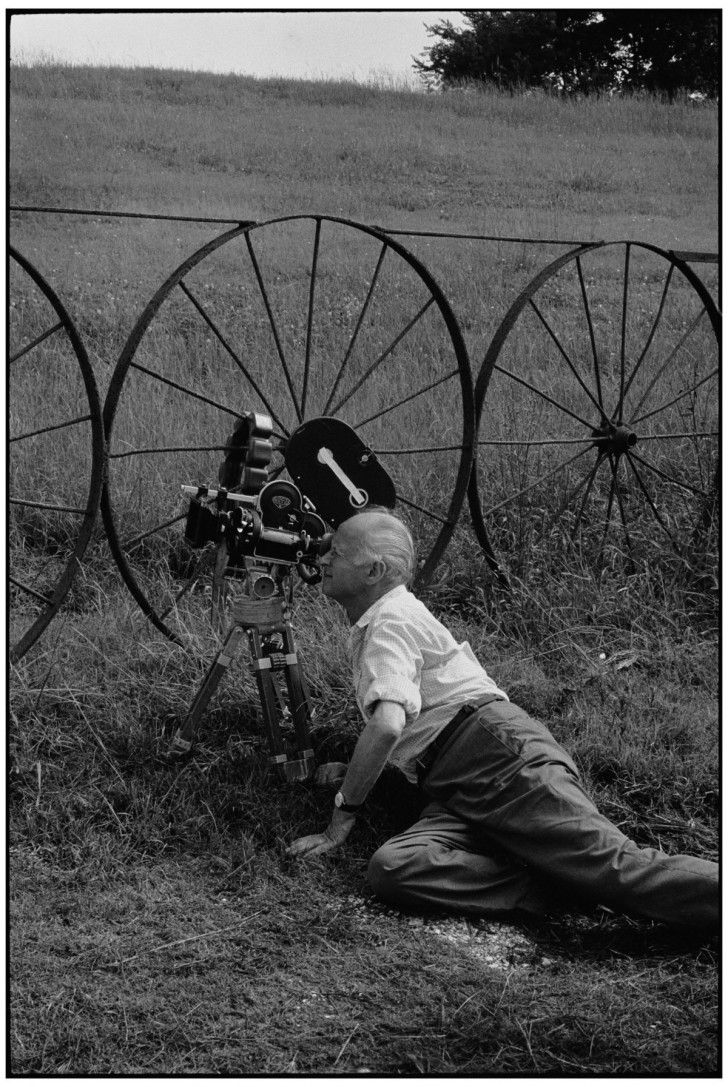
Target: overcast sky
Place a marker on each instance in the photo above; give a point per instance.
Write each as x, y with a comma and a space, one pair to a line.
355, 44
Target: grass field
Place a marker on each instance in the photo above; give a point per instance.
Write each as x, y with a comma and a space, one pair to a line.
157, 926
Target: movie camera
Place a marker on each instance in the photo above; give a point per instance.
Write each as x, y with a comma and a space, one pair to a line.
262, 529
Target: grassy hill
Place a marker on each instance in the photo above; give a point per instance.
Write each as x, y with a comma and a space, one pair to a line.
181, 143
157, 925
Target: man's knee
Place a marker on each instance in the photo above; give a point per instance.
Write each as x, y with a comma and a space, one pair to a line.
387, 867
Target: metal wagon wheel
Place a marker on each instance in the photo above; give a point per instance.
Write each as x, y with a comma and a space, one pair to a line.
598, 408
55, 453
298, 317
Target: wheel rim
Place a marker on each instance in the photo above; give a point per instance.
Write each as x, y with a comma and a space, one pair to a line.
55, 453
598, 414
297, 317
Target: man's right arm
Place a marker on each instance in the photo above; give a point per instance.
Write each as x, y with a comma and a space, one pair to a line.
373, 748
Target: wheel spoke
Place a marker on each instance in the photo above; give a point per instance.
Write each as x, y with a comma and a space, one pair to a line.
420, 449
274, 327
543, 395
620, 503
48, 429
586, 480
585, 498
680, 396
383, 356
623, 344
309, 323
188, 585
134, 541
668, 479
667, 362
592, 337
650, 503
238, 362
48, 506
542, 479
708, 513
565, 357
34, 343
649, 340
406, 399
31, 592
684, 434
610, 503
169, 449
275, 472
536, 441
355, 334
185, 389
423, 509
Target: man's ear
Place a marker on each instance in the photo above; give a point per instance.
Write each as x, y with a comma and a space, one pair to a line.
377, 571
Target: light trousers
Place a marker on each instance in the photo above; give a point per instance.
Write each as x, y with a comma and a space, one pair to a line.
509, 827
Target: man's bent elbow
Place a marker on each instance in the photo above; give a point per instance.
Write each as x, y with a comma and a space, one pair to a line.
389, 720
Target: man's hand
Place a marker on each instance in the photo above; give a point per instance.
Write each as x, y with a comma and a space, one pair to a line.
335, 834
330, 773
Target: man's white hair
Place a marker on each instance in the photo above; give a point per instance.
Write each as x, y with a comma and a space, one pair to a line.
384, 537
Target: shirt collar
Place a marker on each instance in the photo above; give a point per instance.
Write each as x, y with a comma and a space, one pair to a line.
368, 615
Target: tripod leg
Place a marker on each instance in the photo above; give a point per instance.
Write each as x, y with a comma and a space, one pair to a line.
262, 666
303, 767
219, 587
185, 734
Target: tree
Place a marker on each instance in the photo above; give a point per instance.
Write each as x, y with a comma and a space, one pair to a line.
661, 50
668, 50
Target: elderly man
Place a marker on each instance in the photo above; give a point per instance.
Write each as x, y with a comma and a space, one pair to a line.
508, 825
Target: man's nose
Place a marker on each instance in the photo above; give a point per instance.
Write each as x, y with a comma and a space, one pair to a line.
325, 550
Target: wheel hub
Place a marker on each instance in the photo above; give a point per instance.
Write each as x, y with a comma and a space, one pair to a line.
614, 439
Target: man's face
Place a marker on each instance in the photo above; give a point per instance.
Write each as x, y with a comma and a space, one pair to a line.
343, 579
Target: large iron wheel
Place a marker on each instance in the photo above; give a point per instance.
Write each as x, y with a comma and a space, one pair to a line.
598, 408
55, 453
295, 318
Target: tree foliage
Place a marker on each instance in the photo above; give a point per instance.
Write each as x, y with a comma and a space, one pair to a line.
578, 51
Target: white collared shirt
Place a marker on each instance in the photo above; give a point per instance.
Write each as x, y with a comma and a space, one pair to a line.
402, 653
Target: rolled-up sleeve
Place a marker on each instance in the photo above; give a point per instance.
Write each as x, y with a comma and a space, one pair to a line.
390, 669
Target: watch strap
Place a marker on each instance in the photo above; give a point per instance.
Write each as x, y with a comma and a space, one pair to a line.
341, 804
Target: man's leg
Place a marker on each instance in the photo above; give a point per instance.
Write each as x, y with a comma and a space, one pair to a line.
505, 775
554, 826
439, 863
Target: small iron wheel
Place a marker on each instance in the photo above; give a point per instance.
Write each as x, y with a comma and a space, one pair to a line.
55, 453
598, 409
294, 318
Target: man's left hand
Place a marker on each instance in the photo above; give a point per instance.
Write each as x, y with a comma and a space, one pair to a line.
335, 834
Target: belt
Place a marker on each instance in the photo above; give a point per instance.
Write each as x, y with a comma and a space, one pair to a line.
423, 765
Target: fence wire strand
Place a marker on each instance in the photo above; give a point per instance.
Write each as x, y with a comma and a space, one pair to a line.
689, 256
252, 222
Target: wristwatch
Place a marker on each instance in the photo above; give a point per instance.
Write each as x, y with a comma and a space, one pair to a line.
341, 804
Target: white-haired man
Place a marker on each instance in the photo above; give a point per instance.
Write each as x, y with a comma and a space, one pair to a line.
507, 825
